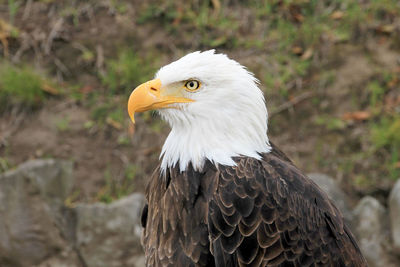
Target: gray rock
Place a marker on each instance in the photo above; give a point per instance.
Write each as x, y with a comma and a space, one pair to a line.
67, 258
394, 208
109, 235
372, 231
29, 196
335, 193
53, 177
36, 229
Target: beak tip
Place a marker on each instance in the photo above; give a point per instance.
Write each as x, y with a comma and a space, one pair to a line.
132, 116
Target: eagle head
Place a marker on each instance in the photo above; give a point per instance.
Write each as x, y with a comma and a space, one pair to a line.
214, 107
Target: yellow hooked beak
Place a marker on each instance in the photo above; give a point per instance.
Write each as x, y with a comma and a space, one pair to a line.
149, 95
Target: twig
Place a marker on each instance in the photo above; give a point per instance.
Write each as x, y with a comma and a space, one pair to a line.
27, 10
294, 101
52, 35
217, 5
90, 13
150, 150
16, 119
124, 159
24, 46
100, 59
63, 105
61, 66
4, 42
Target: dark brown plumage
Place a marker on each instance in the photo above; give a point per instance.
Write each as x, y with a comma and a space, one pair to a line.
258, 213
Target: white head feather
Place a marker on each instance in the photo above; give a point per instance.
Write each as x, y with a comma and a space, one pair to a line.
227, 119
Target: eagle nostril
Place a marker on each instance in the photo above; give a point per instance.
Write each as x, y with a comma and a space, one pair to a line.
153, 89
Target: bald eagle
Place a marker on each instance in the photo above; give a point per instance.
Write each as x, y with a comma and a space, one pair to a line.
223, 194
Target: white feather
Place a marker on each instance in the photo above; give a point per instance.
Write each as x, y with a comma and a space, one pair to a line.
227, 119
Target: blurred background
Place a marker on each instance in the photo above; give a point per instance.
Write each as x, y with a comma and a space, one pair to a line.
330, 71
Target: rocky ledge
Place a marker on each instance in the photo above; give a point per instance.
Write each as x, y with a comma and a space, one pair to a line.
38, 229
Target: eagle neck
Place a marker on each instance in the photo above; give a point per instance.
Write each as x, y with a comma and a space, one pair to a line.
213, 139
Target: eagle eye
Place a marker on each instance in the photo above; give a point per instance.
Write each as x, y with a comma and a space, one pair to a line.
192, 85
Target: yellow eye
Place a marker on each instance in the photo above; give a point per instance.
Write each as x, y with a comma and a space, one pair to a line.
192, 85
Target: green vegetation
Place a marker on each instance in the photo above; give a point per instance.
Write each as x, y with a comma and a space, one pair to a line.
213, 27
128, 70
164, 13
5, 165
385, 138
71, 13
63, 124
377, 92
20, 86
331, 123
13, 7
117, 188
386, 132
111, 113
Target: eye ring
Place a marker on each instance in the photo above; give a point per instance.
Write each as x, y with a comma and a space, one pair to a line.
192, 85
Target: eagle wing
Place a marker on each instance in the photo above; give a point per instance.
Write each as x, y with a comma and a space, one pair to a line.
267, 213
175, 230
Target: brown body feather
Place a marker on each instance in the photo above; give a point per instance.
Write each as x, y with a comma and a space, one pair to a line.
258, 213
